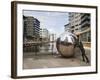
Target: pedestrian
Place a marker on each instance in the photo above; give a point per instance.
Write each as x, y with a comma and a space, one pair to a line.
80, 45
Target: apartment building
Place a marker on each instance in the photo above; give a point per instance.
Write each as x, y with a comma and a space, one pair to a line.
44, 34
31, 27
79, 23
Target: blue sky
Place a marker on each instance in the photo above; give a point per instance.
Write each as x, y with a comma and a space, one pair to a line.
53, 21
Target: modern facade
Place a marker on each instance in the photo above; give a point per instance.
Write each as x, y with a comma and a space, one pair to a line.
67, 27
79, 23
31, 27
44, 34
85, 33
75, 22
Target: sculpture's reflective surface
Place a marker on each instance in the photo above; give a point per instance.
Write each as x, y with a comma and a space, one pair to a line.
65, 44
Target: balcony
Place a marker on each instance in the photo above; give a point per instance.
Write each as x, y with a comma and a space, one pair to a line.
85, 14
85, 25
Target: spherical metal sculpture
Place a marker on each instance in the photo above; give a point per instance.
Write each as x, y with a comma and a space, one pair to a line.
66, 44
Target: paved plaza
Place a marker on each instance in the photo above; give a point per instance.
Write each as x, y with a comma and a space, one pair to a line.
47, 60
